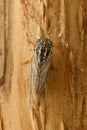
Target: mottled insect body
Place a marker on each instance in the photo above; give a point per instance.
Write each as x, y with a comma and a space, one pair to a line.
39, 74
39, 68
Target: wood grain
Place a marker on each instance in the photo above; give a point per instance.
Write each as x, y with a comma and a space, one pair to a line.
2, 42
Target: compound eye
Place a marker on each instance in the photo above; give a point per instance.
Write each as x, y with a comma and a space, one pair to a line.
40, 42
49, 43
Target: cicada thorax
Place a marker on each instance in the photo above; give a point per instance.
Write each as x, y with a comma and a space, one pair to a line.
39, 68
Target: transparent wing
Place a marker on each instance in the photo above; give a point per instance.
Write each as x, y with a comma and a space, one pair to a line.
39, 74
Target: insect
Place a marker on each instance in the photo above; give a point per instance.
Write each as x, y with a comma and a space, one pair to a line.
39, 69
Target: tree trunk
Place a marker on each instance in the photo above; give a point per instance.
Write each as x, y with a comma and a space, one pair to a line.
63, 105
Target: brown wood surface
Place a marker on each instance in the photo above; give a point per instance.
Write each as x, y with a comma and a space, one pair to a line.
64, 103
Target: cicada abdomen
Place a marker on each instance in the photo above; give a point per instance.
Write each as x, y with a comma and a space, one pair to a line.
39, 69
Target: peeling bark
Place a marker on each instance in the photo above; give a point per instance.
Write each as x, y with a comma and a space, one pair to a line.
64, 102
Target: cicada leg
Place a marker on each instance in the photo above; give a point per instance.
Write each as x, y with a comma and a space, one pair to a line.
27, 61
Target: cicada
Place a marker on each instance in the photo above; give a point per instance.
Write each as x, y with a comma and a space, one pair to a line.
39, 69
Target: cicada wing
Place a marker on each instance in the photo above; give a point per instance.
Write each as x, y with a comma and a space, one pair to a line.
39, 73
38, 77
43, 75
33, 79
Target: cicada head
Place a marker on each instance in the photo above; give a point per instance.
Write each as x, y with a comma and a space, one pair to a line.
43, 50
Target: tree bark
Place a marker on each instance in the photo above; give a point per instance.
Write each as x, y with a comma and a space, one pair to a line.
63, 105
